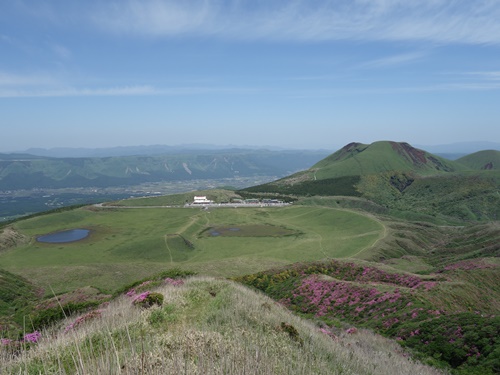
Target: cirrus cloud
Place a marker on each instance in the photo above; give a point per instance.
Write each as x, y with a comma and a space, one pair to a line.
439, 21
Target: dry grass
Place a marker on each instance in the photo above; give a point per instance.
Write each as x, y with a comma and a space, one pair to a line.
206, 326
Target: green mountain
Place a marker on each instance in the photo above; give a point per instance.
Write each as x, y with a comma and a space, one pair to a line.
482, 160
399, 177
28, 171
357, 159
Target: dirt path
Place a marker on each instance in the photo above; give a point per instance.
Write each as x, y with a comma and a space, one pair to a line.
168, 249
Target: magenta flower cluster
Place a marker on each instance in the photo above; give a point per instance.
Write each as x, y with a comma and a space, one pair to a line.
84, 318
32, 337
355, 303
141, 297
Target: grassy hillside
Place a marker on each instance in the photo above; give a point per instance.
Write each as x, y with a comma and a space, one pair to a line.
204, 326
358, 159
17, 296
406, 307
482, 160
465, 196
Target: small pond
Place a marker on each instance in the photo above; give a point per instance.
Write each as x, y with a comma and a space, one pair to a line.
71, 235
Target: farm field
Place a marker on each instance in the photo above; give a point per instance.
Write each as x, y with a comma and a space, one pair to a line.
127, 244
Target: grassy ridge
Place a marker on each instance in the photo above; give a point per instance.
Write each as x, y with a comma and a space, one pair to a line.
206, 326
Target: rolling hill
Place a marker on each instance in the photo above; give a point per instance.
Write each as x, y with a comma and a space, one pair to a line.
482, 160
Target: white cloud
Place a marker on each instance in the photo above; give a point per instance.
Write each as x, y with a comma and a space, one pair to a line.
439, 21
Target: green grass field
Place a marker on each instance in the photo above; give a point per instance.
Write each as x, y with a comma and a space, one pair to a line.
127, 244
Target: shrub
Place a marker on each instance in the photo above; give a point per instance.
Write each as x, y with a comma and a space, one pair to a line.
148, 299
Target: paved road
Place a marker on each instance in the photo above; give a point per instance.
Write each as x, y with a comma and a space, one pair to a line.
212, 205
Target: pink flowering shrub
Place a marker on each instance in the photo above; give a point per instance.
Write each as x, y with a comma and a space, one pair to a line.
84, 318
148, 299
340, 271
322, 298
389, 303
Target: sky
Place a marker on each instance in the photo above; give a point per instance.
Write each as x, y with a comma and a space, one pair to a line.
292, 74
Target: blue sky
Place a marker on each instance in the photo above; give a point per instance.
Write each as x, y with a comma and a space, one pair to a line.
302, 73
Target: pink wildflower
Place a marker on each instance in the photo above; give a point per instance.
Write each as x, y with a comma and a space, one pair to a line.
141, 297
351, 330
6, 341
32, 337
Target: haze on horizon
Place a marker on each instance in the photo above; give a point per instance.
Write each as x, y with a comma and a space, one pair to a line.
301, 74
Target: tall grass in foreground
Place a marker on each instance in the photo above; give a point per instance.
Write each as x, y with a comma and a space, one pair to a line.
206, 326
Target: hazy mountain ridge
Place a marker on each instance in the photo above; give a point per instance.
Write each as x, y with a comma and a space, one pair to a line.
460, 148
25, 171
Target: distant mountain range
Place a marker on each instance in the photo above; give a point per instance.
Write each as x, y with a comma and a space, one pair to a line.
68, 152
451, 151
24, 171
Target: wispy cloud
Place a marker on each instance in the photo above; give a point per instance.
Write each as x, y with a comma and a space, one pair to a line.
488, 75
144, 90
439, 21
73, 92
394, 60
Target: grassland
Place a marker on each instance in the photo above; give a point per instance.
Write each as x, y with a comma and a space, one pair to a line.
126, 244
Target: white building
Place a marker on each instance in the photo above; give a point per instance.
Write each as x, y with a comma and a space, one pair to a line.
201, 200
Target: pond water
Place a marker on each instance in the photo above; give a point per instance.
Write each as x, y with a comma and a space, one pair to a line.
71, 235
